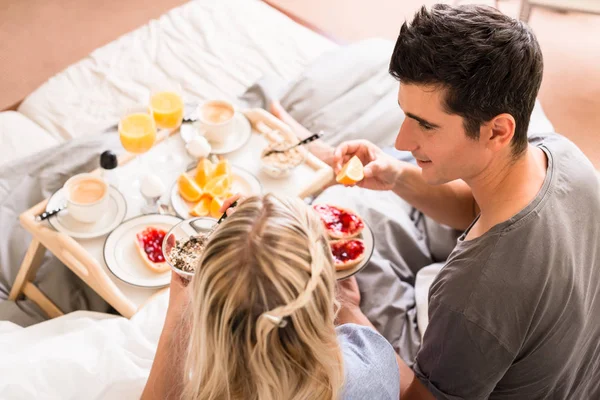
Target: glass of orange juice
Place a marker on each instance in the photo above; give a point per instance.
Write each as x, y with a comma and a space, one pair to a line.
166, 105
137, 132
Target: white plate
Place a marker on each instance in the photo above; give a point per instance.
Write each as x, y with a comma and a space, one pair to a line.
242, 130
64, 223
122, 257
369, 240
243, 182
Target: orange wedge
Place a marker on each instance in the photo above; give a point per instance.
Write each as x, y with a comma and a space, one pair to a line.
218, 186
204, 172
222, 168
202, 208
215, 206
188, 188
351, 173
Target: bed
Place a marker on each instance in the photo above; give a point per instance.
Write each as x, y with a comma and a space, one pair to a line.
214, 49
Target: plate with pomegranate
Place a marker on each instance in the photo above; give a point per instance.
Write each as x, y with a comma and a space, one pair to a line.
133, 251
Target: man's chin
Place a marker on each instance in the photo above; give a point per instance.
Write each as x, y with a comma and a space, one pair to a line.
431, 178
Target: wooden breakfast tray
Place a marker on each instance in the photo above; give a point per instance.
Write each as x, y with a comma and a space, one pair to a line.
305, 180
85, 257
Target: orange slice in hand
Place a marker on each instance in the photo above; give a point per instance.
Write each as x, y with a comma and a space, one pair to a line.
188, 188
222, 168
218, 186
202, 209
351, 173
204, 172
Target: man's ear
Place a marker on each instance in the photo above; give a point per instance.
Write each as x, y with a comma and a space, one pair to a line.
499, 131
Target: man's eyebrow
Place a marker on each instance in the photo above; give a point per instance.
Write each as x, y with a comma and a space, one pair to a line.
422, 121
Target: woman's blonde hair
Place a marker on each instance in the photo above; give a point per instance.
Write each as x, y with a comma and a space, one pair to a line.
262, 312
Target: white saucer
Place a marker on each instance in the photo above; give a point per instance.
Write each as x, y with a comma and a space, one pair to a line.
64, 223
369, 240
242, 130
243, 182
121, 255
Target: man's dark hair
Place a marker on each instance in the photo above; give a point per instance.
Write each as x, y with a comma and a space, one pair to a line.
487, 62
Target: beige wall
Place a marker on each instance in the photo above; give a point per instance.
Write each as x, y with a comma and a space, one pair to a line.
39, 38
570, 91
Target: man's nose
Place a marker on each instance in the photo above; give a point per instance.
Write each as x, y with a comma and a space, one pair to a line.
405, 139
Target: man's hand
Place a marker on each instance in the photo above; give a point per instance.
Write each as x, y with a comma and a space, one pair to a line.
381, 170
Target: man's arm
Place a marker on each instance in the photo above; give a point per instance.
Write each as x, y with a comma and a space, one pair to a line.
410, 387
450, 204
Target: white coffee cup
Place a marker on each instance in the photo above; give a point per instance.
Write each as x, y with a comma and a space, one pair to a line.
216, 120
87, 197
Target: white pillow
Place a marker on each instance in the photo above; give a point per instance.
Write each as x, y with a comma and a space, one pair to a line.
21, 137
349, 93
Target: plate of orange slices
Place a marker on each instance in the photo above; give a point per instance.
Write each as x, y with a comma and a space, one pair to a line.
200, 192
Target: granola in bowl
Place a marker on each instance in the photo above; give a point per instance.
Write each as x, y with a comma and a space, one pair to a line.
186, 253
279, 165
184, 244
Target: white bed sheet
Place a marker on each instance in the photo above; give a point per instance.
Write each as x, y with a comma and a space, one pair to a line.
21, 137
213, 48
82, 355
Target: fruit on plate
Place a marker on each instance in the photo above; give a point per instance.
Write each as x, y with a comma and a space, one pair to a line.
149, 244
202, 208
222, 168
340, 223
204, 171
219, 185
351, 173
347, 253
208, 188
215, 206
188, 188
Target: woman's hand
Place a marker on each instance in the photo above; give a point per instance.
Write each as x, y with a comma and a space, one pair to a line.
226, 207
381, 170
348, 294
349, 311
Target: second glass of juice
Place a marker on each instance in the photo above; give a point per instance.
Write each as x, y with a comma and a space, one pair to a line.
137, 132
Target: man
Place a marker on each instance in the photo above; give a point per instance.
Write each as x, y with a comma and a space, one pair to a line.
514, 312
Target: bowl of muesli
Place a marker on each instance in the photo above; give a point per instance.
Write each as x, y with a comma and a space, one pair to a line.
184, 244
280, 165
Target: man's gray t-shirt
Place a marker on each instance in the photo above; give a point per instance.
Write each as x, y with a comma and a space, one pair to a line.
370, 366
515, 313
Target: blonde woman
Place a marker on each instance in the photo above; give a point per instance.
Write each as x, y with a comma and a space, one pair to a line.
257, 320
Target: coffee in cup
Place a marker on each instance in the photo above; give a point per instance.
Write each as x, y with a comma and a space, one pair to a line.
87, 191
87, 197
217, 113
216, 120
